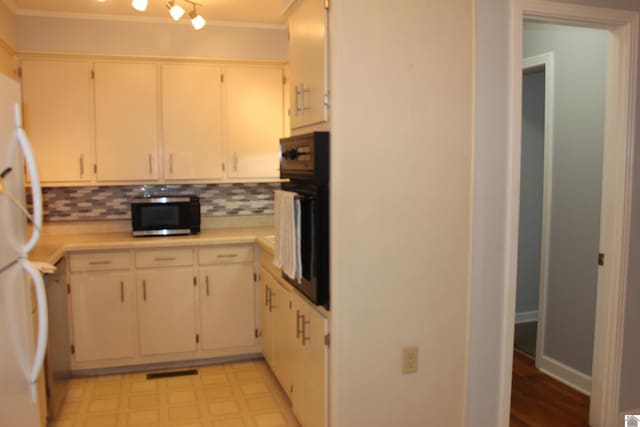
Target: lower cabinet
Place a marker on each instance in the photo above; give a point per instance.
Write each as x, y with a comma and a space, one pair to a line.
166, 311
266, 318
227, 307
102, 315
139, 306
310, 356
293, 342
278, 328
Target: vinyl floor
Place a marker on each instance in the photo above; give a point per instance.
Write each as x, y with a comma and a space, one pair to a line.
244, 394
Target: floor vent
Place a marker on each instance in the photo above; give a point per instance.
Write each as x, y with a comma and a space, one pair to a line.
170, 374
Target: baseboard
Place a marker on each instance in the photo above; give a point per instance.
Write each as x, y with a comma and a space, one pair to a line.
527, 316
565, 374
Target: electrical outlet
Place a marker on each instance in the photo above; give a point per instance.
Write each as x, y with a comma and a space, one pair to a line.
410, 360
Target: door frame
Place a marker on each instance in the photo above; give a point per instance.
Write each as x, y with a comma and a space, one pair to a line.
616, 193
544, 61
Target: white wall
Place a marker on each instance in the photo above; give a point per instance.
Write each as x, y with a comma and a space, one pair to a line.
87, 36
7, 41
401, 210
489, 254
7, 25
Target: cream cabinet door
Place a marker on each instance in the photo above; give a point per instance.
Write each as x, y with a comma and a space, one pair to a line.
58, 116
252, 117
192, 122
126, 99
266, 318
309, 398
166, 310
102, 315
308, 63
227, 306
285, 334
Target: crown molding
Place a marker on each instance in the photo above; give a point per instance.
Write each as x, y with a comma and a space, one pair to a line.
140, 19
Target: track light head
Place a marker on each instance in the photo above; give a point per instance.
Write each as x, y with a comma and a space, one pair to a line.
140, 5
176, 11
197, 21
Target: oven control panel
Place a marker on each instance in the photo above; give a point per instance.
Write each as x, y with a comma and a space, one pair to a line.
305, 156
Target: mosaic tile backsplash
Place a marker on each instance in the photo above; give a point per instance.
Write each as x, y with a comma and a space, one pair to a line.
104, 203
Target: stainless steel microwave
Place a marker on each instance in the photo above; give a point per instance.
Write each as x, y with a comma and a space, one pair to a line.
165, 215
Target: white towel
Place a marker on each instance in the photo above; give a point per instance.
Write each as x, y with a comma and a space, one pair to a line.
44, 267
287, 234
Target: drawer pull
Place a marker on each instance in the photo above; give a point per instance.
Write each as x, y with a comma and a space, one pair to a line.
106, 262
169, 258
226, 256
206, 279
144, 290
121, 291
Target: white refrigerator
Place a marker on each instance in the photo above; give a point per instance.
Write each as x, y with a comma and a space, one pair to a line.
22, 344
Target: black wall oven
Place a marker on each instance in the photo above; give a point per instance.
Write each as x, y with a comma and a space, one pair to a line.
304, 160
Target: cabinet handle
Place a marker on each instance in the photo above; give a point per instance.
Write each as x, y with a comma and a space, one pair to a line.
302, 92
305, 322
298, 327
106, 262
297, 109
144, 290
81, 165
271, 294
226, 256
222, 165
168, 258
235, 162
121, 291
206, 279
266, 296
150, 165
171, 163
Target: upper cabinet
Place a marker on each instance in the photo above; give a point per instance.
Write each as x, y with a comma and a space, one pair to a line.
192, 121
253, 110
308, 63
126, 121
145, 122
58, 112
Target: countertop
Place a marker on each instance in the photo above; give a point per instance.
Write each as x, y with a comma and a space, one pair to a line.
52, 248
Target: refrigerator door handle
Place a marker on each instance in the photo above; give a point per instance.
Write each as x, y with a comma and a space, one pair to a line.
43, 320
32, 169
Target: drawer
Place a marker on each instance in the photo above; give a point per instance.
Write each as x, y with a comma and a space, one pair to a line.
95, 261
164, 258
225, 254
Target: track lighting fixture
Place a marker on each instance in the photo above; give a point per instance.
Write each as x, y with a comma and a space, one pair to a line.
140, 5
176, 11
196, 20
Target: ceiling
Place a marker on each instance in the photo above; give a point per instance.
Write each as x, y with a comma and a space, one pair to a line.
254, 11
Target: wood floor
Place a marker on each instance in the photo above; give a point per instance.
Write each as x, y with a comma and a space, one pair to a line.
538, 400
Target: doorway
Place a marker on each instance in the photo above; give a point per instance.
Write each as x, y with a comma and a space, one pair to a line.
563, 121
535, 73
616, 185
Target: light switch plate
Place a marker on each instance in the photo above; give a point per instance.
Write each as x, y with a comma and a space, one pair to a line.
410, 360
